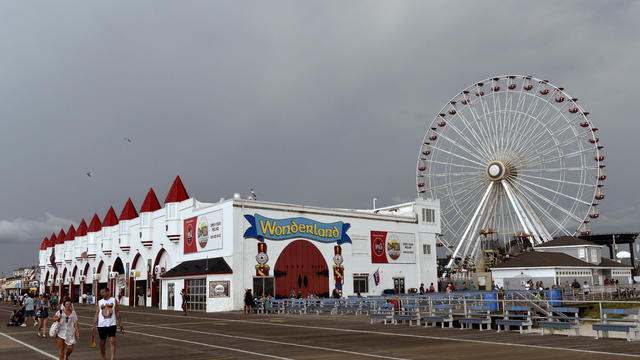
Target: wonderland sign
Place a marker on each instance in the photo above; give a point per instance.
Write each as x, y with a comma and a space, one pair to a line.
283, 229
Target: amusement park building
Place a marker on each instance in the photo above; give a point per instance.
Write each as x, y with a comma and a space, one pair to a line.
558, 261
218, 250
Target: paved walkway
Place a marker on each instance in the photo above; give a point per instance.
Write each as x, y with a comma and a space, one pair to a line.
153, 334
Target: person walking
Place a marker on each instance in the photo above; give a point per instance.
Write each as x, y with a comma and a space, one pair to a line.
185, 301
248, 301
69, 331
106, 319
43, 306
29, 310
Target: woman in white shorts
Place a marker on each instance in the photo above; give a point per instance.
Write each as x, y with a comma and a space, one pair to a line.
69, 331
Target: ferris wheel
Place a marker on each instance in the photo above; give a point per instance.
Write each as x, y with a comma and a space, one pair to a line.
511, 157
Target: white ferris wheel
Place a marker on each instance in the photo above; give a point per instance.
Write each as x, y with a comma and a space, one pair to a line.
511, 157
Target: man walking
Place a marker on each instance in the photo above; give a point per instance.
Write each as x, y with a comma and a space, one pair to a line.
29, 307
107, 318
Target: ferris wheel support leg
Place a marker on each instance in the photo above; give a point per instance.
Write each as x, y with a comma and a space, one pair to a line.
533, 217
471, 224
520, 212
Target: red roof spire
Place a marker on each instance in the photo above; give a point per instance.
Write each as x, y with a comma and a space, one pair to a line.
110, 219
52, 240
82, 229
95, 224
61, 237
177, 192
151, 202
71, 233
129, 211
45, 244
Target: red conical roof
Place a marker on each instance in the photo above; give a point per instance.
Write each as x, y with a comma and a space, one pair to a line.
95, 224
129, 212
82, 229
177, 192
52, 240
61, 237
151, 202
110, 219
45, 244
71, 233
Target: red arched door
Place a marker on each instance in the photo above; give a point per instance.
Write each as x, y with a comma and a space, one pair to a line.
301, 267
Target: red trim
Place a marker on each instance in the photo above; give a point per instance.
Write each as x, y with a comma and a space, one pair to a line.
110, 219
61, 237
196, 274
99, 267
82, 229
71, 233
154, 288
132, 283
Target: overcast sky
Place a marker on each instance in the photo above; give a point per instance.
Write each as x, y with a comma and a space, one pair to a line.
314, 102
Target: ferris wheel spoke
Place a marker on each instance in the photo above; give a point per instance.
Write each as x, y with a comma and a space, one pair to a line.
510, 135
460, 146
554, 192
549, 136
563, 169
557, 180
519, 122
457, 156
480, 137
457, 165
484, 120
464, 173
479, 146
557, 158
574, 139
546, 214
552, 203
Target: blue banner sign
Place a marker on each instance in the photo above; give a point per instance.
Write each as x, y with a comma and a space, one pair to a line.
283, 229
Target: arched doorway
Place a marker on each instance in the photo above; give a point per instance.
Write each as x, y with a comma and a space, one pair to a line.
117, 267
86, 288
73, 288
46, 283
104, 277
162, 261
137, 287
301, 267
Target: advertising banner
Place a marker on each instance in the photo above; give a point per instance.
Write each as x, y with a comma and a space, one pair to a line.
283, 229
392, 248
203, 233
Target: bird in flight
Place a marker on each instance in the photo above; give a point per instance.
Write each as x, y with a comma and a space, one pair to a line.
128, 139
90, 173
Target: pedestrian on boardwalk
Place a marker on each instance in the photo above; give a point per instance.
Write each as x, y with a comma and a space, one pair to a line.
42, 313
185, 301
106, 319
69, 332
248, 301
29, 310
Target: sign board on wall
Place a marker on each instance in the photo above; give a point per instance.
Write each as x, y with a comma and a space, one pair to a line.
393, 248
203, 233
282, 229
218, 289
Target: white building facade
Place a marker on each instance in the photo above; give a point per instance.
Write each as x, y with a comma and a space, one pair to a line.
215, 251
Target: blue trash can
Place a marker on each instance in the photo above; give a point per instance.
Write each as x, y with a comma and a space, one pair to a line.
490, 300
554, 297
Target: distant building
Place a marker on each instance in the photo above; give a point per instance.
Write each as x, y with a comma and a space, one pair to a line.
558, 261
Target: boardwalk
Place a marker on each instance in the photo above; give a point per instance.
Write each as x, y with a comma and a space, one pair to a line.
153, 334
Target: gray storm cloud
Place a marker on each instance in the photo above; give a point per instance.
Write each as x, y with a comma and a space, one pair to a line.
321, 103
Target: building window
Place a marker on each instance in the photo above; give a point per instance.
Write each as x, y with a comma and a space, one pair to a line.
263, 285
594, 255
428, 215
197, 292
426, 249
172, 210
582, 253
146, 219
361, 283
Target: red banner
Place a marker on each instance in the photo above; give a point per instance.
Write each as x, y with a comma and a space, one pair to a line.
190, 235
378, 244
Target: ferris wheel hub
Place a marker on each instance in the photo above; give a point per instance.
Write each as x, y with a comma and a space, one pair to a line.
495, 170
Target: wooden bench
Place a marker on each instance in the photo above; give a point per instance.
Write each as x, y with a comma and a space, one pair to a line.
382, 313
408, 313
567, 319
519, 316
480, 315
326, 306
296, 306
439, 314
627, 325
277, 306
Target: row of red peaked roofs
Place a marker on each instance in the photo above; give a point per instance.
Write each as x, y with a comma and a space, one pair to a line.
177, 193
